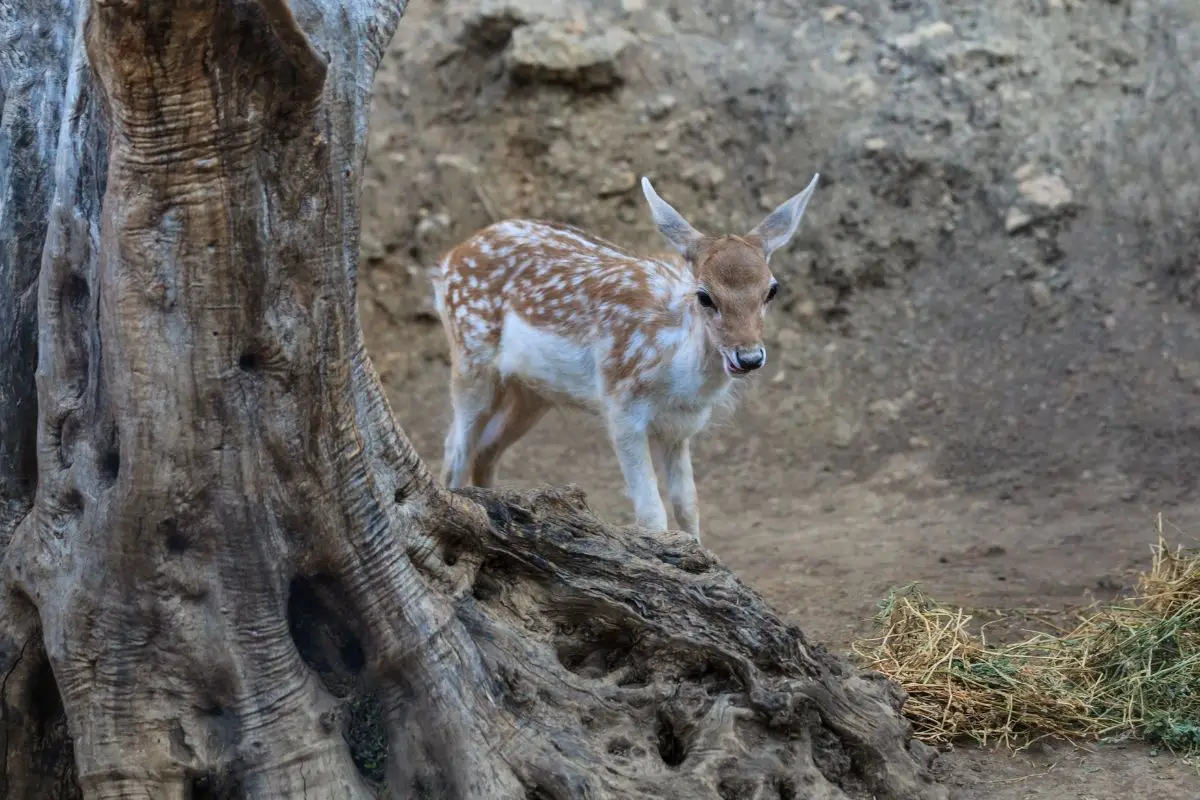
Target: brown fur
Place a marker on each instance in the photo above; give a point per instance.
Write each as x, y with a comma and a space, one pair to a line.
734, 271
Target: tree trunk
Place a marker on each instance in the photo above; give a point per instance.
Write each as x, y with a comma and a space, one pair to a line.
226, 573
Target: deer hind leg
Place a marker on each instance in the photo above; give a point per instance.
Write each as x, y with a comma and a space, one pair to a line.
472, 396
517, 412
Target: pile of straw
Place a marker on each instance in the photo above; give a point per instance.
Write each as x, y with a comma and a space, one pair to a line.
1127, 670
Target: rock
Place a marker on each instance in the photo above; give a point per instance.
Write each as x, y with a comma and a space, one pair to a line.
833, 13
425, 311
1016, 220
1028, 270
992, 52
561, 158
491, 22
703, 175
861, 87
1059, 279
887, 409
556, 52
1041, 196
891, 409
1187, 371
1048, 193
846, 51
370, 247
456, 162
431, 229
1039, 294
1025, 172
661, 106
385, 294
926, 34
1121, 54
843, 433
617, 182
875, 144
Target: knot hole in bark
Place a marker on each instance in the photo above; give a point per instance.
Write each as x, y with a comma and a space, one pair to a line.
249, 361
210, 786
405, 490
107, 443
30, 700
175, 540
71, 501
671, 745
787, 790
320, 623
594, 651
74, 294
110, 464
45, 698
486, 587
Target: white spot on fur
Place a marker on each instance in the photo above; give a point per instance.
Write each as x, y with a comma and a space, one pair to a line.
637, 340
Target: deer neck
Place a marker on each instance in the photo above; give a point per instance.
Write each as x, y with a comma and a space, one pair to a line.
703, 353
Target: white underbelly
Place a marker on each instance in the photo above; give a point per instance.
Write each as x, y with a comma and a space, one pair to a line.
550, 363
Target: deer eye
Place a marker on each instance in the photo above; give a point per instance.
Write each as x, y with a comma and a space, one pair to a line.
774, 290
705, 299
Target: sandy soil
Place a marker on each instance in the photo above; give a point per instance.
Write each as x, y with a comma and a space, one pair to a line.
825, 544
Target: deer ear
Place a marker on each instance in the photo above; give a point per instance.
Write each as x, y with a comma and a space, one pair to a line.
677, 230
780, 225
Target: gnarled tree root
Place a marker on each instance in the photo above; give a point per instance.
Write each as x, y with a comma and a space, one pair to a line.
648, 669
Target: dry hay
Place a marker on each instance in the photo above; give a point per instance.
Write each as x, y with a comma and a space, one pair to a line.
1127, 670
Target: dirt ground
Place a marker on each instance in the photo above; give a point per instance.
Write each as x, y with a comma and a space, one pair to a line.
985, 364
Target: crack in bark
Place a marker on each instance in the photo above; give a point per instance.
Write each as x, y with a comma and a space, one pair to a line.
310, 65
16, 663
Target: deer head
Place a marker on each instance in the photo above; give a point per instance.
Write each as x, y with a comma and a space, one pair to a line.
733, 280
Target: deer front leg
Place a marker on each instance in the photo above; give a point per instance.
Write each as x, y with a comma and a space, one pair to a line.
632, 443
676, 457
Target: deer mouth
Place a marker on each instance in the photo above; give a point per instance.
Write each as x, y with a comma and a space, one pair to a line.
731, 366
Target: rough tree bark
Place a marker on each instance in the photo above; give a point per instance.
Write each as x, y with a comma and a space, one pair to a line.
226, 573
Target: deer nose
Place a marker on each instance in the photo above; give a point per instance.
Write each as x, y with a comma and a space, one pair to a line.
751, 358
